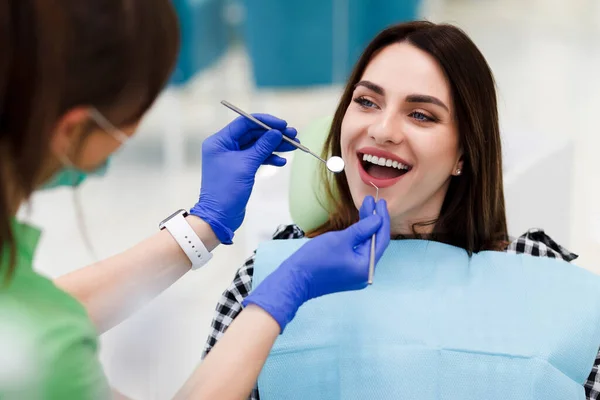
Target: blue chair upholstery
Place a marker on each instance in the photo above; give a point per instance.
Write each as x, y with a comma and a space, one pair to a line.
314, 42
204, 37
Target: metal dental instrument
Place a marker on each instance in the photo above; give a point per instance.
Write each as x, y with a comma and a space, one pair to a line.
372, 255
334, 164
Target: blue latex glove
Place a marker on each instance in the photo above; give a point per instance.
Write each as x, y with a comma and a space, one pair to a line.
230, 160
330, 263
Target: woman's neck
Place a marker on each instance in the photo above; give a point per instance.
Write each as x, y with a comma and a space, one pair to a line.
406, 226
421, 219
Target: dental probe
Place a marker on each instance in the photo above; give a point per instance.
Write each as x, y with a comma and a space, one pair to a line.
372, 255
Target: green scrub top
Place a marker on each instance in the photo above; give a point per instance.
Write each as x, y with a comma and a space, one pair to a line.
48, 345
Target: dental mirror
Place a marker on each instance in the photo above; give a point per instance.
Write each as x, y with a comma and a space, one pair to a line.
334, 164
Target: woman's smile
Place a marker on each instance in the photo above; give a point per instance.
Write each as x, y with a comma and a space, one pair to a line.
381, 167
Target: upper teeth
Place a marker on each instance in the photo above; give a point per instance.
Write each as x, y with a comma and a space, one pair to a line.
384, 162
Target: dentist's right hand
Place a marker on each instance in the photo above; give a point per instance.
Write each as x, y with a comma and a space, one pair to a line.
330, 263
230, 160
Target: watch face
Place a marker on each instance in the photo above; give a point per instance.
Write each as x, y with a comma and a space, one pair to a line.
176, 213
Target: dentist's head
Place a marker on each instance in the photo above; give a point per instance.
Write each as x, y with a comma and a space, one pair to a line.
418, 118
76, 77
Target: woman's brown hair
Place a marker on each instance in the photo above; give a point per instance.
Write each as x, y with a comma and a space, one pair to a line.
115, 55
473, 213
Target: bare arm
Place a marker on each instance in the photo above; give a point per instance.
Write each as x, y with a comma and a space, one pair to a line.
112, 289
232, 367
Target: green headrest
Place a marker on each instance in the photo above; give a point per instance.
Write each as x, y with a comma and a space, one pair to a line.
307, 196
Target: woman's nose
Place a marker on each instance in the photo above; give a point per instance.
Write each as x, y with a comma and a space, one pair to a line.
386, 130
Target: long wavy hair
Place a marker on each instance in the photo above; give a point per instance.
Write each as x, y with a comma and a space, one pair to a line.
473, 214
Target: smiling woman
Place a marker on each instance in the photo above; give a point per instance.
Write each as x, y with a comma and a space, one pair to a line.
418, 118
422, 95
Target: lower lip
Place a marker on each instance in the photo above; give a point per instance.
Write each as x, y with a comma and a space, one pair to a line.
380, 183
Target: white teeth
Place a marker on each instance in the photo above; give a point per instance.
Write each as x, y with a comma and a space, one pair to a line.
384, 162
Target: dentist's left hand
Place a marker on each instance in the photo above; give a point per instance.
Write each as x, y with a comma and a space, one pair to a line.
230, 160
330, 263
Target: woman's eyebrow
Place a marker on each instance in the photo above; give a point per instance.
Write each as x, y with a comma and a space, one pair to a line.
424, 98
411, 98
371, 86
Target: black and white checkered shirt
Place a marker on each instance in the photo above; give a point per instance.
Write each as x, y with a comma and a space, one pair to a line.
535, 242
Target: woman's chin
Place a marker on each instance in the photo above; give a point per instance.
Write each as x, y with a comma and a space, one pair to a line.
359, 195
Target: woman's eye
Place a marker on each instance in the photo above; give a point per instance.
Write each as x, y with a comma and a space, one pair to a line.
419, 116
364, 102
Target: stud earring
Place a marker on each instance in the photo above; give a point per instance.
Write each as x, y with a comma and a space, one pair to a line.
458, 171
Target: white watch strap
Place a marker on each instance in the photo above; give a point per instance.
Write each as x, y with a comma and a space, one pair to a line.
189, 242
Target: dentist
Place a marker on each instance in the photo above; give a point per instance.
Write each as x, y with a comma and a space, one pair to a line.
75, 80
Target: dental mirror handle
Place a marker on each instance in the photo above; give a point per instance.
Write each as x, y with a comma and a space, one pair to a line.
267, 127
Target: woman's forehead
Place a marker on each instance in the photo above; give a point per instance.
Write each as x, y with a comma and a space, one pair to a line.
402, 69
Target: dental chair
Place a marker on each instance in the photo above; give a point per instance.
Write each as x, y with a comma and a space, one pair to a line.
308, 205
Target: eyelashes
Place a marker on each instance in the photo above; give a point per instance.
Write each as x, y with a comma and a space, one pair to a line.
364, 102
418, 116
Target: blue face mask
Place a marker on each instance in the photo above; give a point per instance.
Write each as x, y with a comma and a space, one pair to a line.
71, 176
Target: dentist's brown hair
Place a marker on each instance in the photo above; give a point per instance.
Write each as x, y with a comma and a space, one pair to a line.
115, 55
473, 214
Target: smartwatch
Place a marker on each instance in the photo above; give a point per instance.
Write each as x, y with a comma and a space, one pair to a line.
187, 239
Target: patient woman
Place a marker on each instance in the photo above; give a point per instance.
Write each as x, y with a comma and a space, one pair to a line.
452, 314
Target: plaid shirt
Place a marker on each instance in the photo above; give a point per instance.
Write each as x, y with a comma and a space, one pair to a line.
534, 242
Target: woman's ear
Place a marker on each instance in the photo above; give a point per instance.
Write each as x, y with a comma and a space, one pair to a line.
458, 167
68, 131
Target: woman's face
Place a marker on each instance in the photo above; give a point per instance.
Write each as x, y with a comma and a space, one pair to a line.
401, 115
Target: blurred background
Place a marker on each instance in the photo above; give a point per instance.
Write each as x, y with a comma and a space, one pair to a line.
289, 58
